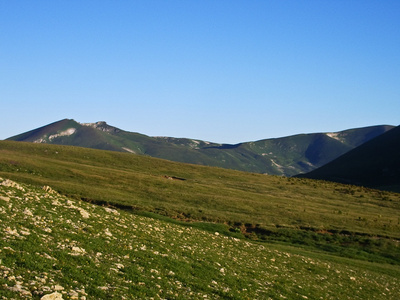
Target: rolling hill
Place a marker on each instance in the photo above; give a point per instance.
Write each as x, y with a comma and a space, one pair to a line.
375, 164
346, 220
78, 222
56, 247
279, 156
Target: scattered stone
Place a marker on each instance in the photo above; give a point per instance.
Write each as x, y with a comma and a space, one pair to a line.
45, 255
13, 184
7, 199
27, 212
78, 251
13, 232
73, 295
110, 210
107, 232
25, 232
56, 203
49, 189
84, 213
58, 287
20, 289
9, 249
52, 296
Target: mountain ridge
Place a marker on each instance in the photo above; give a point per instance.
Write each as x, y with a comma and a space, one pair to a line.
374, 164
286, 156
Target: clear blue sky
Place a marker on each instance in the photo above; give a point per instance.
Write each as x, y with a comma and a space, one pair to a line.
222, 71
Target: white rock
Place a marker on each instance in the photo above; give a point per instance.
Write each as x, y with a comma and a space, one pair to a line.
52, 296
25, 232
84, 213
27, 212
56, 203
20, 289
13, 232
7, 199
78, 251
107, 232
119, 266
110, 210
13, 184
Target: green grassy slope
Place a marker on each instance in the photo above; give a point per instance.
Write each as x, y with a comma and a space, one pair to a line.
54, 245
282, 156
346, 220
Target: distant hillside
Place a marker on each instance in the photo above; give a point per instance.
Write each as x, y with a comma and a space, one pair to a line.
280, 156
374, 164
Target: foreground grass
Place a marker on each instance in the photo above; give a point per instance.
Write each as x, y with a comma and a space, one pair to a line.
346, 220
49, 243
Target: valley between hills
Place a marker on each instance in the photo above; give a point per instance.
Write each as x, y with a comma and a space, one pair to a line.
80, 223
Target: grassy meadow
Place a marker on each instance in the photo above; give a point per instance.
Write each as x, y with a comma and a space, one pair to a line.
352, 229
53, 245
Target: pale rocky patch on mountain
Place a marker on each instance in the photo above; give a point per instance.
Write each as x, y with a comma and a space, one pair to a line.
280, 168
45, 138
128, 150
69, 131
335, 136
102, 126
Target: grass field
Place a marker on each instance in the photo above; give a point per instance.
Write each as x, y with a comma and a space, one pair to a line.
347, 221
54, 244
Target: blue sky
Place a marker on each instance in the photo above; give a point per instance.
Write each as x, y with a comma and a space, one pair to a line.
221, 71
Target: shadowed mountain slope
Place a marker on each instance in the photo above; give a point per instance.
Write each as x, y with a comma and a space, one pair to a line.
279, 156
374, 164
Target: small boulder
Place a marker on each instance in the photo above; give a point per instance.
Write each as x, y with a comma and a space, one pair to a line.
7, 199
52, 296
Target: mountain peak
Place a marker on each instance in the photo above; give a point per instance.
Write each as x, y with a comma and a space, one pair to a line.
102, 126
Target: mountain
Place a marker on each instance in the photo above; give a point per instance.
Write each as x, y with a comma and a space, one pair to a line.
374, 164
279, 156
